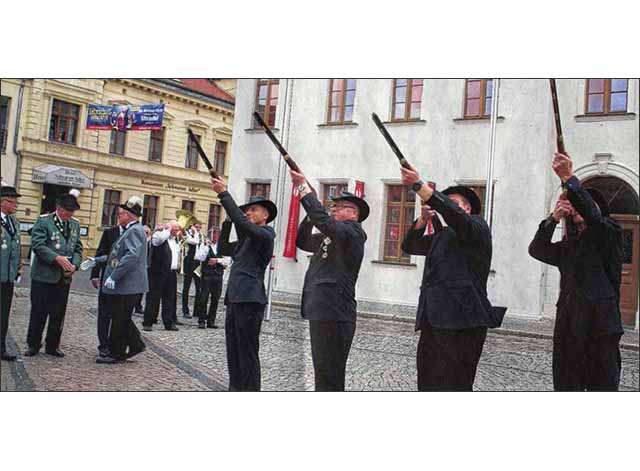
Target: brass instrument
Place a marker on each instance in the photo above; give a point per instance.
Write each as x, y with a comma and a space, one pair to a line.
186, 219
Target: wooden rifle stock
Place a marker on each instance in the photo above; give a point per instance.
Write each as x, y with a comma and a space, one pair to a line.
390, 141
287, 158
556, 114
204, 157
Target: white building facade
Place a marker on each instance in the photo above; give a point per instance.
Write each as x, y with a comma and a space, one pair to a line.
443, 127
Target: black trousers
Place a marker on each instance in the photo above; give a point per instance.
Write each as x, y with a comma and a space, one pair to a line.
330, 345
124, 332
189, 266
104, 323
242, 332
139, 302
209, 287
447, 360
48, 300
586, 363
161, 289
6, 296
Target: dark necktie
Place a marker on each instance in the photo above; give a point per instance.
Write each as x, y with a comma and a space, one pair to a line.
66, 229
9, 226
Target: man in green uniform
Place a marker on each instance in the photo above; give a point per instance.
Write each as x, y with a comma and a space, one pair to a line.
55, 241
9, 258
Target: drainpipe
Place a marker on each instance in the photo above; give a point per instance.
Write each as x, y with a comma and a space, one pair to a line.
492, 152
18, 153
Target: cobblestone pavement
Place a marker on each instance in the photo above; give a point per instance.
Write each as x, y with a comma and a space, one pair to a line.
382, 357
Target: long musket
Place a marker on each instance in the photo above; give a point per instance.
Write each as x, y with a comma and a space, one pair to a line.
391, 142
556, 114
204, 157
287, 158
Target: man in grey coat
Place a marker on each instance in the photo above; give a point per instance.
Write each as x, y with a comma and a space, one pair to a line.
125, 278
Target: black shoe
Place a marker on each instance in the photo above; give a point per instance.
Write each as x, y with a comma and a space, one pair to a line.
147, 328
134, 351
31, 352
55, 352
108, 360
8, 357
173, 328
202, 325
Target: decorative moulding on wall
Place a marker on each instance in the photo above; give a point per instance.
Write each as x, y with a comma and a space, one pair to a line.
196, 123
602, 160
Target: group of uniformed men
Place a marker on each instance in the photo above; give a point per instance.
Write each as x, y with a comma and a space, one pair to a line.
453, 315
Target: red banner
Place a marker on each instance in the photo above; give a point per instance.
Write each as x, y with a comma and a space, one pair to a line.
430, 230
292, 225
359, 190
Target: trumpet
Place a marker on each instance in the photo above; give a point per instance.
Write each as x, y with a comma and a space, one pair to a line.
185, 219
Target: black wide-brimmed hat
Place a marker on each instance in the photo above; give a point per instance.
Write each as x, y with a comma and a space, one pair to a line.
363, 207
133, 205
265, 203
599, 200
68, 202
9, 192
468, 193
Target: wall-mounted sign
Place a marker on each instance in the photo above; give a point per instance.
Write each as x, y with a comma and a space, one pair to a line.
125, 117
57, 175
84, 230
170, 186
26, 226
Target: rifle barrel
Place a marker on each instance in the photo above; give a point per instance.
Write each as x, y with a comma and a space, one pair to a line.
394, 147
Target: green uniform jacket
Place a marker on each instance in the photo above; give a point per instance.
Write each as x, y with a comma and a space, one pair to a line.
10, 253
47, 243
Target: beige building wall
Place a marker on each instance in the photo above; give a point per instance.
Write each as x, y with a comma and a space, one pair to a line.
10, 88
133, 173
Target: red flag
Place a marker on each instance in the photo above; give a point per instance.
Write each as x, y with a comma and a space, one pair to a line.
292, 225
359, 190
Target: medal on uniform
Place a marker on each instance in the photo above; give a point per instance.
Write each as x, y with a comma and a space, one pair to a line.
4, 245
327, 240
114, 263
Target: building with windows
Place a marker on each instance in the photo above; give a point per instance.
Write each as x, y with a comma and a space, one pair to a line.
443, 127
10, 108
57, 152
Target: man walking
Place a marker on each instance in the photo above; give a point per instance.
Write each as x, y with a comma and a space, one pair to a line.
329, 291
55, 241
246, 297
453, 310
588, 326
10, 263
125, 279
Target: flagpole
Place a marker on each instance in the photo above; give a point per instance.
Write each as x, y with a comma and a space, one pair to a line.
488, 197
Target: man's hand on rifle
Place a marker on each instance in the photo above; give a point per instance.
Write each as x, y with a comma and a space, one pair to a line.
218, 185
298, 178
563, 208
409, 177
562, 166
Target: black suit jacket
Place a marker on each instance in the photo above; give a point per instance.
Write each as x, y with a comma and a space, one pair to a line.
109, 237
453, 294
329, 291
251, 254
590, 267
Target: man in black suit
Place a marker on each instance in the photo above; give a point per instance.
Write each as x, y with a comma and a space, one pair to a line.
246, 297
329, 291
453, 310
211, 271
193, 238
109, 236
162, 272
588, 327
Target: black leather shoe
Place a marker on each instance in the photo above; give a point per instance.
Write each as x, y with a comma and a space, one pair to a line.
134, 351
8, 357
173, 328
31, 352
54, 352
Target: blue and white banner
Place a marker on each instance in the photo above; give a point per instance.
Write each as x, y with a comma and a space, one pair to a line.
125, 117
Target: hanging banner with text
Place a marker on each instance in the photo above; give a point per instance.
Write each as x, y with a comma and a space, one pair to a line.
292, 225
125, 117
359, 189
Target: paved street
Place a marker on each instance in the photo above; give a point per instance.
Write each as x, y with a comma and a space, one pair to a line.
382, 357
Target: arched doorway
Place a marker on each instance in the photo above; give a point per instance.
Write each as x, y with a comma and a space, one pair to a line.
625, 209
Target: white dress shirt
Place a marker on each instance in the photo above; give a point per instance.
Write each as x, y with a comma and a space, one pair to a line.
158, 238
